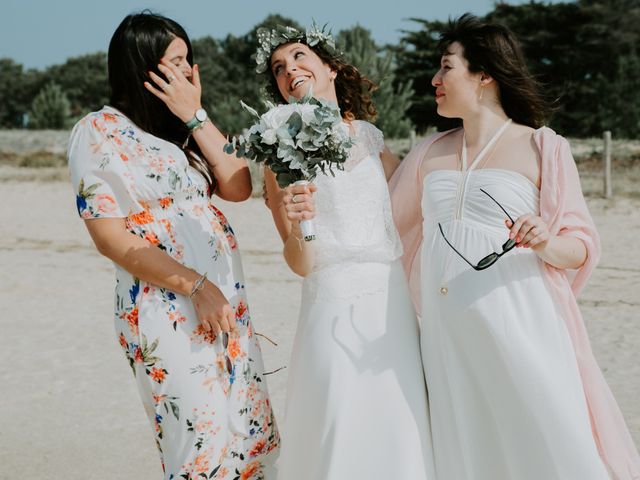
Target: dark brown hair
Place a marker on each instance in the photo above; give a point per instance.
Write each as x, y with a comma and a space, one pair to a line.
353, 89
136, 48
494, 49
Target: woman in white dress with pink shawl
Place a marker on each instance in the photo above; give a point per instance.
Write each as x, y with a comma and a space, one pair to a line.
498, 241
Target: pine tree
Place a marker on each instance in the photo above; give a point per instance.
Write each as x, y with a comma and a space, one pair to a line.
392, 102
619, 107
50, 109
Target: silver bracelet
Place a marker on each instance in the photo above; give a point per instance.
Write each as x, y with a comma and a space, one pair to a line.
198, 285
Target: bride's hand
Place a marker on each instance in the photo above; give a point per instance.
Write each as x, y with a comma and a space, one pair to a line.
179, 93
298, 202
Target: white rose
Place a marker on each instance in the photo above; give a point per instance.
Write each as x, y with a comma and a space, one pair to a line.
269, 136
276, 117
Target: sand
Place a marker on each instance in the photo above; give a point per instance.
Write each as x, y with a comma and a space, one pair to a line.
69, 406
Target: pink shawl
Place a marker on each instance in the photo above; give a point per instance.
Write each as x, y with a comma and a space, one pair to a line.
564, 209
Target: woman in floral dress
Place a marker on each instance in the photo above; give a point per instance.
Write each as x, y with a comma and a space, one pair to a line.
144, 170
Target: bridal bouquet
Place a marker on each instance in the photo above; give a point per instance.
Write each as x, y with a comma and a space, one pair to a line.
296, 141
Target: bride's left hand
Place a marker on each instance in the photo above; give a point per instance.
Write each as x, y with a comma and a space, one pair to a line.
180, 94
529, 231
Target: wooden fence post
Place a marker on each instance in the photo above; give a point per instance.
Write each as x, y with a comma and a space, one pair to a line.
607, 164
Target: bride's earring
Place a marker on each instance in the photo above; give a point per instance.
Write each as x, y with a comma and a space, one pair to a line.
481, 92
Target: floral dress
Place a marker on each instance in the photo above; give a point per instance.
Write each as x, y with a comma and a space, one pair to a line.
206, 399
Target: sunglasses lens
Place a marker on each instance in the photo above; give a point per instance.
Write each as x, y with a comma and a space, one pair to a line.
508, 245
488, 260
229, 365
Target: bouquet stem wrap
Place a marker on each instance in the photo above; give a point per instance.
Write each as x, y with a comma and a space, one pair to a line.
307, 227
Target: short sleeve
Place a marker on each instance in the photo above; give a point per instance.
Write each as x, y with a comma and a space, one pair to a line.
99, 175
376, 138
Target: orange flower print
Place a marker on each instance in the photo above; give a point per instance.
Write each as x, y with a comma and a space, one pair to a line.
231, 240
124, 157
157, 165
158, 374
249, 471
166, 202
144, 204
258, 448
197, 210
123, 341
234, 349
241, 309
201, 464
203, 335
98, 125
141, 218
109, 117
176, 318
105, 203
151, 238
137, 355
132, 319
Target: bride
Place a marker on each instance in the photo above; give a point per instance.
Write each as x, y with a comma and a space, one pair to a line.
356, 400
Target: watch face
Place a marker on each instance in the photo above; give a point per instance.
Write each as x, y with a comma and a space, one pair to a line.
201, 114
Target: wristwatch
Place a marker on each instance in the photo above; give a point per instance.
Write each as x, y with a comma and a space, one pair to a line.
198, 119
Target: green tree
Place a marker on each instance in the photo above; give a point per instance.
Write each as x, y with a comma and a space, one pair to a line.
391, 100
12, 93
50, 109
418, 60
618, 108
84, 81
572, 47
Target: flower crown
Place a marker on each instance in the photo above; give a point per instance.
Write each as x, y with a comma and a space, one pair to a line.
269, 40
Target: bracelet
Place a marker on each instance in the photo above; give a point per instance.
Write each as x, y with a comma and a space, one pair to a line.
198, 285
299, 239
197, 127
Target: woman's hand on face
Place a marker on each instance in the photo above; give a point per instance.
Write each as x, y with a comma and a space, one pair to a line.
298, 202
180, 94
213, 309
529, 231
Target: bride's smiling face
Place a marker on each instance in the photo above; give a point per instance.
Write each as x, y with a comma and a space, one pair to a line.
296, 68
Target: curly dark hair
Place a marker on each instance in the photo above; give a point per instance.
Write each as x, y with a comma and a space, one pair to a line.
494, 49
353, 89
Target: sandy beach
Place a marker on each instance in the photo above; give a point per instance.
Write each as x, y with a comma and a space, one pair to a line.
70, 408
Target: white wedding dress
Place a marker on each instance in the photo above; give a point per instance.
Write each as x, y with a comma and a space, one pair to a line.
356, 401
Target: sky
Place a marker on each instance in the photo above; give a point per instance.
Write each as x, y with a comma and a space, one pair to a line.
39, 33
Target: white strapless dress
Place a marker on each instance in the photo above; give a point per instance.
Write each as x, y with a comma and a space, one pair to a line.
505, 393
356, 401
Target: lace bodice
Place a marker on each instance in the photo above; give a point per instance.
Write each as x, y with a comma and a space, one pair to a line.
353, 211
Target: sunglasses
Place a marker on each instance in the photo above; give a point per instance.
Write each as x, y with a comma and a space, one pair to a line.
227, 361
492, 258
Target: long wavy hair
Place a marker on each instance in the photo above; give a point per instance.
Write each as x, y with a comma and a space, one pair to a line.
493, 49
353, 89
136, 48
